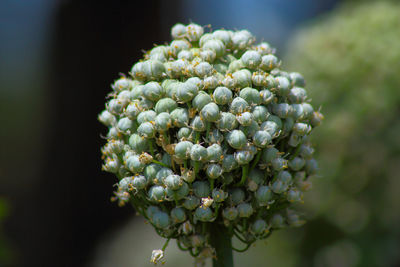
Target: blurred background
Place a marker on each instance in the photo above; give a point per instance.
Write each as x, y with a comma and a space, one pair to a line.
58, 59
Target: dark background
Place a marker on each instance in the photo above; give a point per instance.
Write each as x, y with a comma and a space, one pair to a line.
58, 59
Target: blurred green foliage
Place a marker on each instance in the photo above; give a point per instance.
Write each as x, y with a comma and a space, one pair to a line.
351, 62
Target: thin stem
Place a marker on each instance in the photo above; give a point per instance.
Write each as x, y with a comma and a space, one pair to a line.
160, 163
245, 169
166, 244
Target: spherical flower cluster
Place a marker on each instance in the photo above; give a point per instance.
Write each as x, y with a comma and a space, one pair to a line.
209, 130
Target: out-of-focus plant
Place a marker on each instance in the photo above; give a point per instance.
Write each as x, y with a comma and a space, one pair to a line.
209, 139
352, 63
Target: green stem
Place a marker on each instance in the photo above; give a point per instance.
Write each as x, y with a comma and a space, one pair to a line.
220, 240
151, 147
245, 170
160, 163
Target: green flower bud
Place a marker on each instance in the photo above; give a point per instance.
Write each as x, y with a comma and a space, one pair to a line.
306, 151
279, 187
115, 106
222, 96
214, 153
208, 55
210, 112
219, 195
148, 70
162, 174
178, 194
236, 139
178, 31
137, 143
133, 110
125, 184
184, 133
294, 195
201, 100
308, 110
245, 118
146, 116
301, 128
263, 195
188, 175
163, 122
161, 220
259, 227
177, 46
214, 171
297, 95
229, 163
203, 69
262, 138
194, 32
243, 157
191, 202
186, 92
251, 59
236, 196
260, 114
235, 65
201, 189
227, 122
198, 124
139, 182
242, 78
195, 81
296, 164
288, 125
282, 110
283, 85
230, 213
316, 118
242, 39
122, 84
125, 125
238, 105
152, 91
297, 79
222, 35
215, 45
107, 118
278, 164
211, 82
269, 62
277, 221
180, 117
245, 210
182, 149
185, 54
150, 171
251, 95
284, 176
311, 166
198, 153
294, 220
146, 130
134, 164
271, 127
146, 104
151, 210
156, 193
178, 215
215, 137
165, 105
173, 181
204, 214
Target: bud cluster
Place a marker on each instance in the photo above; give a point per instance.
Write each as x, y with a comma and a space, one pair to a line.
209, 130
